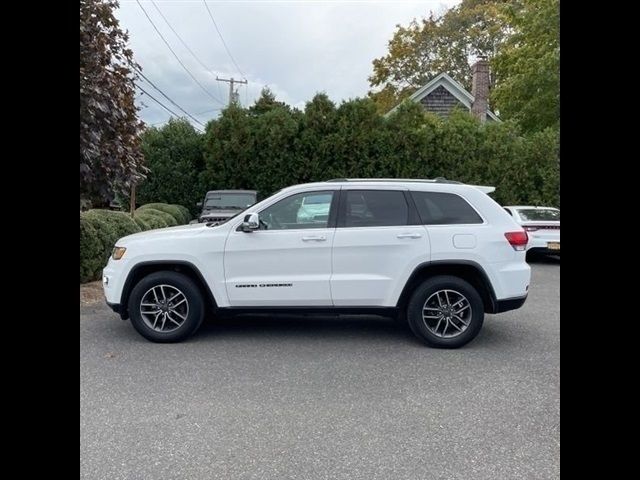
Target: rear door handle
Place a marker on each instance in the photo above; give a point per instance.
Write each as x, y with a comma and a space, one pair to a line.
409, 235
314, 238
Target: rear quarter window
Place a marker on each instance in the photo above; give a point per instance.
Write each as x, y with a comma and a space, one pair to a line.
438, 208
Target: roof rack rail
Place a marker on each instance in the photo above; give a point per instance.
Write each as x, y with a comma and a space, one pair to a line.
444, 180
482, 188
427, 180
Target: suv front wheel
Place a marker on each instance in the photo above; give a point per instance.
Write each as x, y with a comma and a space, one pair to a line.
446, 312
166, 307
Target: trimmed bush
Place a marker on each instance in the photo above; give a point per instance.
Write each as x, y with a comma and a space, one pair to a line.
151, 220
101, 229
90, 250
168, 219
99, 232
106, 241
141, 223
117, 224
186, 214
172, 210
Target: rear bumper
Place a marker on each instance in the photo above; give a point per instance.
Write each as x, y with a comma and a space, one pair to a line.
543, 250
538, 242
509, 304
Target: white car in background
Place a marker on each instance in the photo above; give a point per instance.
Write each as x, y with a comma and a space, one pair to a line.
542, 224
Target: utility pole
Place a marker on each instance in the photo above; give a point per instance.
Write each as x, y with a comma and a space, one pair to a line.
132, 200
233, 95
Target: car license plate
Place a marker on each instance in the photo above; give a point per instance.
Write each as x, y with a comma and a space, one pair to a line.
553, 245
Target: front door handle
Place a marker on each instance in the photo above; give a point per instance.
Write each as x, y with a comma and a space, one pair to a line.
409, 235
314, 238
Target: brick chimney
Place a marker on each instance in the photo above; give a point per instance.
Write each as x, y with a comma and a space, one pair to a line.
480, 89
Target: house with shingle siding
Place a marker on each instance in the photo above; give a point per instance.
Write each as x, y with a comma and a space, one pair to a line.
442, 94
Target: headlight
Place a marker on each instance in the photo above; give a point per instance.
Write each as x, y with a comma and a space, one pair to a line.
118, 252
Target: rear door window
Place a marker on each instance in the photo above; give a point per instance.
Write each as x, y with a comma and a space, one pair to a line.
375, 208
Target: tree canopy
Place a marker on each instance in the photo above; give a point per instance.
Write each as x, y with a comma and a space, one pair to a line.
520, 38
435, 44
527, 68
110, 155
174, 156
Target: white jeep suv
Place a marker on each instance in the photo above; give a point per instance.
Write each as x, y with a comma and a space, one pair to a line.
437, 253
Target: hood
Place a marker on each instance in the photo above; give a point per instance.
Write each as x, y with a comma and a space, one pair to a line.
220, 213
165, 233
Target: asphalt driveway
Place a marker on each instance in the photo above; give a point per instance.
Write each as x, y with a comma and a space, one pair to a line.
332, 398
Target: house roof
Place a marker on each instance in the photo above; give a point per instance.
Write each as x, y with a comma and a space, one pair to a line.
453, 87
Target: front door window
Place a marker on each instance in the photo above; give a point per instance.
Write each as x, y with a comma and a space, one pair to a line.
299, 211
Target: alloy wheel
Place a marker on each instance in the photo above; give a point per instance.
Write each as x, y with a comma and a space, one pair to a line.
447, 313
164, 308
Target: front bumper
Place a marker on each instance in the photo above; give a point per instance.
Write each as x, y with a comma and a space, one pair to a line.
117, 308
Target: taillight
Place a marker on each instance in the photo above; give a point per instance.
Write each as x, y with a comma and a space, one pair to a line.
518, 240
531, 229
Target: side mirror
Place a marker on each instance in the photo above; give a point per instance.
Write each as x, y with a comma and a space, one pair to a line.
251, 222
199, 204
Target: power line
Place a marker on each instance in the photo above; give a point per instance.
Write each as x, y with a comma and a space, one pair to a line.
157, 101
208, 111
221, 38
175, 55
181, 40
167, 97
219, 91
163, 105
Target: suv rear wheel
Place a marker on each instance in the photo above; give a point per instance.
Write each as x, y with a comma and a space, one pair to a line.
446, 312
166, 307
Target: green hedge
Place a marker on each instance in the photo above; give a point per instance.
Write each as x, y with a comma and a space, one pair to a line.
274, 146
101, 229
186, 214
168, 219
269, 146
173, 154
142, 223
90, 250
172, 210
150, 219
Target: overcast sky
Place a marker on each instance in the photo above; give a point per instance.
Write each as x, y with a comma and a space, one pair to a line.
297, 48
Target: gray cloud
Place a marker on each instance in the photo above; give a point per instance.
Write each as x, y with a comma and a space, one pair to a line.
295, 48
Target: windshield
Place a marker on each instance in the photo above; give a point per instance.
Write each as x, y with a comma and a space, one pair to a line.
230, 200
539, 214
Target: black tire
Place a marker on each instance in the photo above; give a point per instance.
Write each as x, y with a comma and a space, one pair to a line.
400, 318
194, 316
425, 291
